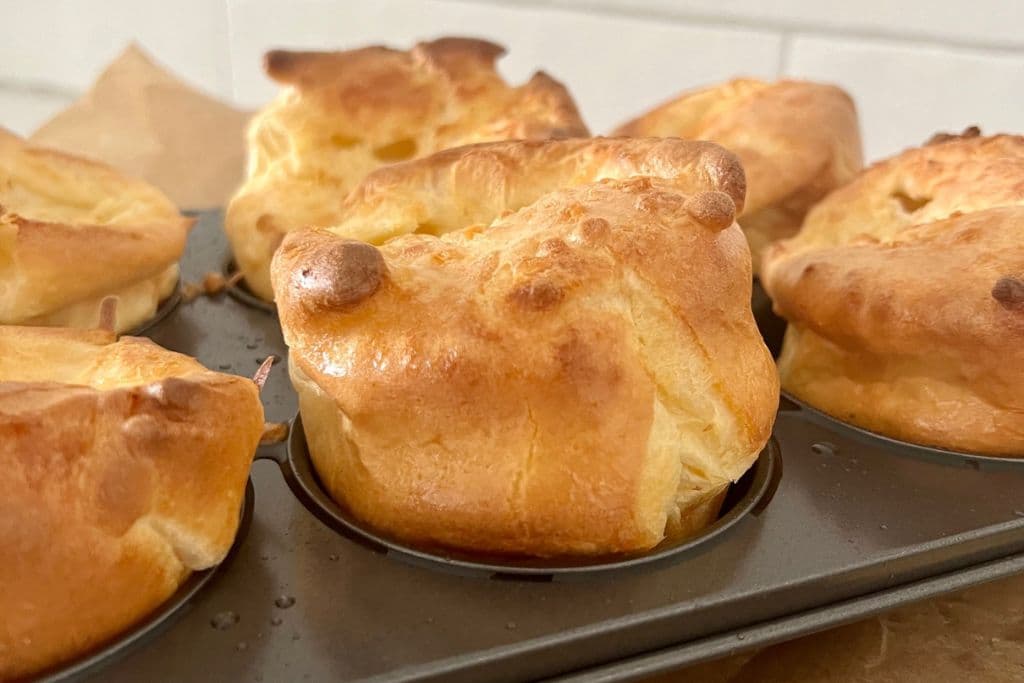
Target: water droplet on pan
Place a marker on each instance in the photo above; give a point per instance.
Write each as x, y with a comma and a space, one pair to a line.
824, 448
883, 527
332, 557
284, 601
242, 646
276, 621
511, 626
222, 621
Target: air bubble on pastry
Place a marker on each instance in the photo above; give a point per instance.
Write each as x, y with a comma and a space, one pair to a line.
341, 115
797, 140
566, 364
73, 232
904, 291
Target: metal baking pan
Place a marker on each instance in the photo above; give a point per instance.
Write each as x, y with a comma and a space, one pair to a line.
856, 524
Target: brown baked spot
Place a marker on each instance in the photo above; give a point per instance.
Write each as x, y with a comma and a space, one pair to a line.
344, 141
939, 138
399, 150
552, 247
910, 204
659, 202
278, 63
429, 228
714, 210
1009, 292
595, 229
341, 274
725, 168
537, 296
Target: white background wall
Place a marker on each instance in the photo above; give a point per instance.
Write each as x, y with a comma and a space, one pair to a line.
913, 66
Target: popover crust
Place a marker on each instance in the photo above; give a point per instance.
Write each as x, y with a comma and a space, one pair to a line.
122, 470
73, 232
904, 295
797, 141
573, 369
343, 114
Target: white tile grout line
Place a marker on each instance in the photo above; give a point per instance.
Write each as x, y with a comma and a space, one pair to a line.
767, 25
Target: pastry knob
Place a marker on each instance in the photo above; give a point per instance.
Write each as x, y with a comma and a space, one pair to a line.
1009, 292
340, 274
715, 210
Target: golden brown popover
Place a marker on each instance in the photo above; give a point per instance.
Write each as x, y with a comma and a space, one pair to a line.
565, 363
344, 114
122, 470
904, 293
797, 141
73, 232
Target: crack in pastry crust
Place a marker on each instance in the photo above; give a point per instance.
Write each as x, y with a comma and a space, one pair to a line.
576, 370
73, 231
122, 470
902, 291
344, 114
797, 141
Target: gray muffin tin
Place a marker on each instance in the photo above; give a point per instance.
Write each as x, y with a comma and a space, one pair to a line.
856, 525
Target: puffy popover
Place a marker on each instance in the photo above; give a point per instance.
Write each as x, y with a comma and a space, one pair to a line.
73, 232
122, 470
904, 293
797, 141
574, 369
344, 114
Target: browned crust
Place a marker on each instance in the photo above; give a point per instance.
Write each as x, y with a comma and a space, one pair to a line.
344, 114
474, 184
72, 230
797, 141
562, 346
109, 497
903, 290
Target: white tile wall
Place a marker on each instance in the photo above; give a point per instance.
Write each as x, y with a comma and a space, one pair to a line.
65, 42
985, 22
905, 93
913, 66
21, 110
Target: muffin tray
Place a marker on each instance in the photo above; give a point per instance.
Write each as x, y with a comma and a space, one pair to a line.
855, 525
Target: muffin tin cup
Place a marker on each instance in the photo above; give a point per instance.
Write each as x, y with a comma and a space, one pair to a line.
899, 447
241, 293
150, 626
750, 495
773, 329
854, 527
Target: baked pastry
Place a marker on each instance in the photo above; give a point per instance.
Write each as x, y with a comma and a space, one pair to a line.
344, 114
571, 367
797, 141
73, 232
122, 470
904, 293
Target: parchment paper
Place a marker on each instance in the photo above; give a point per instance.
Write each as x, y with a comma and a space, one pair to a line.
140, 118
